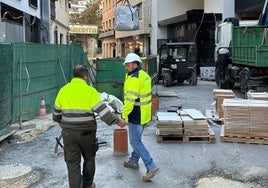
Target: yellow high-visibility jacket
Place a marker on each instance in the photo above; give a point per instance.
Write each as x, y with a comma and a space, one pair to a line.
76, 103
137, 97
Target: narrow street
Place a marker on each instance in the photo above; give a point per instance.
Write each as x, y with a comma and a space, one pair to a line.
182, 165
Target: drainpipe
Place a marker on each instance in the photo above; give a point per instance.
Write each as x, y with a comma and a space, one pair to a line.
23, 27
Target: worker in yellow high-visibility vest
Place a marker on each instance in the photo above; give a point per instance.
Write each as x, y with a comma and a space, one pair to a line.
74, 109
137, 112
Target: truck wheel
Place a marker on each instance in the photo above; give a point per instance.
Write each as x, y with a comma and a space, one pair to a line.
193, 77
221, 77
166, 79
180, 80
223, 84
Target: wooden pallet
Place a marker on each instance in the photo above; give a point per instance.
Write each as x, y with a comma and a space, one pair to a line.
242, 139
185, 139
210, 138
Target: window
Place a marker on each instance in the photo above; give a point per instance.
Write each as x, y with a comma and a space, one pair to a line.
61, 38
52, 10
140, 10
33, 4
56, 35
110, 25
218, 35
68, 38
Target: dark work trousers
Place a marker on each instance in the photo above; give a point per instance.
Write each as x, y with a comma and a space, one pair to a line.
77, 143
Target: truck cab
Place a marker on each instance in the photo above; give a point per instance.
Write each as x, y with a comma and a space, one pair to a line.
224, 34
223, 38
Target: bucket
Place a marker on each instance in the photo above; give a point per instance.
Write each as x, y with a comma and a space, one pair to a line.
120, 142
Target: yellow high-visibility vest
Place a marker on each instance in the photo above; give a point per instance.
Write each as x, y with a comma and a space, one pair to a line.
137, 97
76, 103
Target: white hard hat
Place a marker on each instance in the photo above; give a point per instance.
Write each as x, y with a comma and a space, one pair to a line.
131, 57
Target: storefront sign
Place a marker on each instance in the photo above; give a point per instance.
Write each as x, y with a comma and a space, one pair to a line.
84, 29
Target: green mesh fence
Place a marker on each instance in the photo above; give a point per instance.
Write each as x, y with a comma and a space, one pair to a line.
110, 74
33, 71
5, 87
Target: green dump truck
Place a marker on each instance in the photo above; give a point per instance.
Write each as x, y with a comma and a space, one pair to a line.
241, 55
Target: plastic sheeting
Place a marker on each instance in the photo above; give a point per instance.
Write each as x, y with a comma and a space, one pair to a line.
126, 18
113, 102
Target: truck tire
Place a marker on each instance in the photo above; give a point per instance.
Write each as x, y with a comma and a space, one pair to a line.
167, 80
180, 80
193, 77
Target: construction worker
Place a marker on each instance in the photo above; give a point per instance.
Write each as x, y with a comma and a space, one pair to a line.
74, 110
137, 112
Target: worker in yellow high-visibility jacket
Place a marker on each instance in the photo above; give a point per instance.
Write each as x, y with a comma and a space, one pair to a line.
137, 112
74, 109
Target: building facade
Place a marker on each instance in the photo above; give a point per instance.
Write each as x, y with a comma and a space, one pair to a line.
87, 34
59, 22
34, 21
107, 36
163, 20
119, 43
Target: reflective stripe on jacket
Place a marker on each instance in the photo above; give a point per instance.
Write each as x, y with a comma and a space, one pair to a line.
76, 103
137, 97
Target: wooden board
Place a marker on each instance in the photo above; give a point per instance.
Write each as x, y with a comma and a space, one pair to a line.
166, 94
195, 132
195, 114
222, 91
212, 114
185, 139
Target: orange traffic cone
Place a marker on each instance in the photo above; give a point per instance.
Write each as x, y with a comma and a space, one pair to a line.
42, 110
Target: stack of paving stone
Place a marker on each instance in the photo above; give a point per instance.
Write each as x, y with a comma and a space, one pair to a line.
169, 123
194, 122
245, 118
219, 96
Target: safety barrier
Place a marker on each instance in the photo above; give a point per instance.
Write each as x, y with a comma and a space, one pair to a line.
30, 71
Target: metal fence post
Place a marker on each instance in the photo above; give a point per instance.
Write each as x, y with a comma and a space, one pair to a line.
20, 93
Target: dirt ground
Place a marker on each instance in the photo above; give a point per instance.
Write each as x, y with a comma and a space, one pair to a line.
186, 165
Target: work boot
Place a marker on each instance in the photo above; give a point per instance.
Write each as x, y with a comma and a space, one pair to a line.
150, 174
93, 185
130, 164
